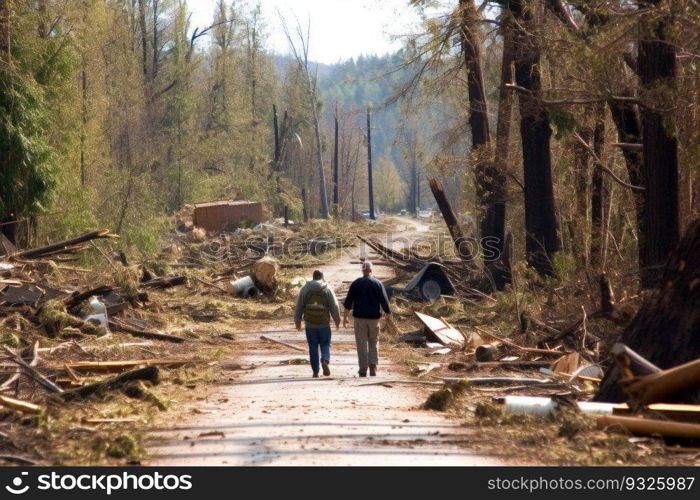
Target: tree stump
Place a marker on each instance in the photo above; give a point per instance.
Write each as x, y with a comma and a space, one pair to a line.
265, 274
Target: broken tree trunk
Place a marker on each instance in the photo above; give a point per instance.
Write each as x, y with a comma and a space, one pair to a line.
666, 329
145, 335
486, 352
150, 374
165, 282
120, 366
607, 298
460, 241
30, 371
62, 246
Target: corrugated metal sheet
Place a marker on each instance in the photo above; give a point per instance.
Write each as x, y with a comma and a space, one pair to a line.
220, 215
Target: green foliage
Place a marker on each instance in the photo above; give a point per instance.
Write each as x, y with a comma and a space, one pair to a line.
564, 265
389, 188
144, 237
27, 176
72, 212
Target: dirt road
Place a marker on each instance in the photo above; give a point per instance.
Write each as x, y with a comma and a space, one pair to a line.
276, 414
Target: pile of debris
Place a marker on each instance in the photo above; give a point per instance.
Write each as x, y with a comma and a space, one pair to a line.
555, 379
429, 278
592, 371
65, 330
44, 300
32, 312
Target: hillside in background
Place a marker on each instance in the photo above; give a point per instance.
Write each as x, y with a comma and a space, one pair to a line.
367, 81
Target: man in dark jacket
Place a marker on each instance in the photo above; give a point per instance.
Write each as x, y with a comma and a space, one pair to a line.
367, 298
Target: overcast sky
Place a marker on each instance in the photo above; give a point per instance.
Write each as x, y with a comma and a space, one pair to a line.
340, 29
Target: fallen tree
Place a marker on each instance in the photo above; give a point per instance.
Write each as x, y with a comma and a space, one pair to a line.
67, 246
149, 374
144, 334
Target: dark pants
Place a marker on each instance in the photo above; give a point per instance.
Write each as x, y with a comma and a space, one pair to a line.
318, 338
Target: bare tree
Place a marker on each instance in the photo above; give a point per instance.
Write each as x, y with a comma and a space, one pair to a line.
299, 46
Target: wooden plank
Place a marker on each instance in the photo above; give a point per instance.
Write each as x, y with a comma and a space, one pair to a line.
19, 405
567, 364
659, 387
678, 412
649, 427
441, 331
123, 420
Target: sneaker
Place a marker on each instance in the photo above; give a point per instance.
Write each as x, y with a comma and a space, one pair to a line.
372, 370
326, 370
362, 374
315, 375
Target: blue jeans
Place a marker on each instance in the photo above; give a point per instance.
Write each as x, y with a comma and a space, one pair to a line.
318, 338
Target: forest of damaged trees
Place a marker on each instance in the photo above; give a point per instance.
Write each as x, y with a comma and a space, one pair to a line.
602, 98
581, 115
117, 113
